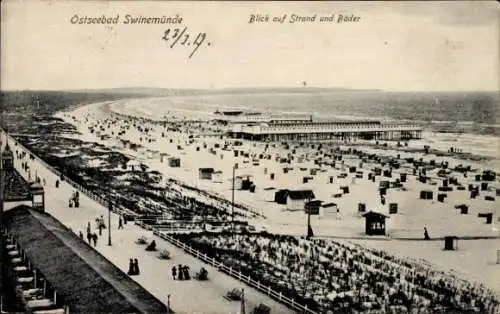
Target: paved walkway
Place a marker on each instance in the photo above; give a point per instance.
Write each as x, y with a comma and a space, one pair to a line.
185, 296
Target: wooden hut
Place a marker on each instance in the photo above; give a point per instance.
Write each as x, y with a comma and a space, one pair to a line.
269, 194
174, 162
374, 223
297, 199
393, 208
312, 207
464, 209
488, 216
280, 196
450, 243
217, 176
205, 173
328, 211
426, 195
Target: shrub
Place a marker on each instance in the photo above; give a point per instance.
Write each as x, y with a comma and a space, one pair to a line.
165, 254
142, 240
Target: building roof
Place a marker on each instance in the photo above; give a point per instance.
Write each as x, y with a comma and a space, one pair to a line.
301, 194
329, 205
16, 188
372, 214
206, 169
314, 202
83, 279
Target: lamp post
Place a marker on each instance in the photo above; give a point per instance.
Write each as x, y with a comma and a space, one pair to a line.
308, 209
109, 220
232, 200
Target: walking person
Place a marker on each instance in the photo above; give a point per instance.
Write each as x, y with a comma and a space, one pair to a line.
120, 222
94, 237
186, 273
426, 234
136, 267
181, 275
131, 268
88, 228
174, 272
81, 235
89, 237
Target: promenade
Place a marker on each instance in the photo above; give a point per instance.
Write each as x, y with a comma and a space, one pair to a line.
185, 296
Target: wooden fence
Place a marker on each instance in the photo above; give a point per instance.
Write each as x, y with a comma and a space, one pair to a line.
236, 274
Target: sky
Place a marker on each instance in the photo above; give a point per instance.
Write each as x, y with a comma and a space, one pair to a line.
410, 46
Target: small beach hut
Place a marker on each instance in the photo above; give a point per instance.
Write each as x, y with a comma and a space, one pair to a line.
217, 176
374, 223
269, 194
297, 199
488, 216
205, 173
450, 243
312, 207
426, 195
489, 175
174, 162
280, 196
464, 209
328, 211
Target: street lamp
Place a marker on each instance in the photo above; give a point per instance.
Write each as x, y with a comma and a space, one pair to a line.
109, 220
235, 166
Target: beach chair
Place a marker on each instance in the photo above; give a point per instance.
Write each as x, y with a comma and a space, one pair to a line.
261, 309
201, 276
233, 295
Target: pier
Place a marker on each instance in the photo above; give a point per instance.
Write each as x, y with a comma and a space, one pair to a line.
367, 130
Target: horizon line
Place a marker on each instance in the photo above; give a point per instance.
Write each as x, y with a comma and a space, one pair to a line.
131, 88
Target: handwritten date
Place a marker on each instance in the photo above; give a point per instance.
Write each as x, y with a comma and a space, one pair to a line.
181, 37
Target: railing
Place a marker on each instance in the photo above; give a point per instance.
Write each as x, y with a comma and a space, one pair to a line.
324, 128
330, 128
236, 274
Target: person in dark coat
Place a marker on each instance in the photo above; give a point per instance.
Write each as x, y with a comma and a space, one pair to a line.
131, 268
120, 222
174, 272
81, 235
426, 234
186, 273
94, 237
89, 236
136, 267
181, 274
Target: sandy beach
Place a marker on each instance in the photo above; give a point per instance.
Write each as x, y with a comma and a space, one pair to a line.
194, 150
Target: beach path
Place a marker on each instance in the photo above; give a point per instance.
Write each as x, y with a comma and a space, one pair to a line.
185, 296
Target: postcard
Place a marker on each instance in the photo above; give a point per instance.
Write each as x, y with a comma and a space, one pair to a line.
250, 156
